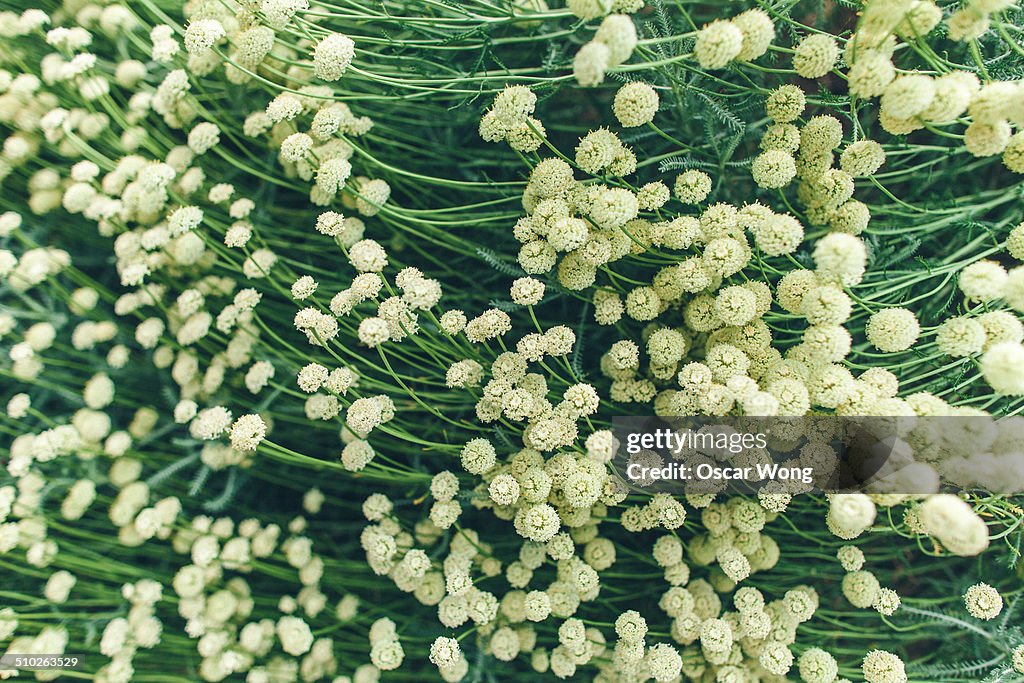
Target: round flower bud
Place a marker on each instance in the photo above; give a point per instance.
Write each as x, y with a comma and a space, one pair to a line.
718, 43
373, 194
1001, 326
504, 644
445, 652
862, 158
203, 137
887, 602
815, 55
444, 486
247, 432
635, 104
780, 234
776, 658
716, 635
991, 102
652, 196
871, 74
850, 514
367, 256
758, 32
527, 135
733, 563
748, 599
851, 557
1013, 155
892, 329
987, 139
597, 149
514, 103
537, 605
624, 162
332, 56
567, 233
960, 336
953, 93
1002, 366
783, 136
826, 305
693, 187
1015, 242
773, 169
590, 64
478, 456
614, 207
983, 281
822, 134
908, 96
527, 291
785, 103
551, 178
537, 257
664, 662
817, 666
201, 35
860, 588
643, 303
630, 626
793, 288
294, 634
880, 666
296, 146
735, 305
840, 257
491, 128
617, 32
504, 489
374, 331
920, 19
852, 218
954, 523
800, 603
538, 522
967, 23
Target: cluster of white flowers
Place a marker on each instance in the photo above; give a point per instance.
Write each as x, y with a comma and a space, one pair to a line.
983, 601
973, 19
691, 326
743, 38
880, 666
910, 101
163, 211
510, 119
332, 56
635, 104
612, 44
815, 55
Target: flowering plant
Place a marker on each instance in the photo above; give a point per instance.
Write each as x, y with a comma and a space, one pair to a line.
316, 315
